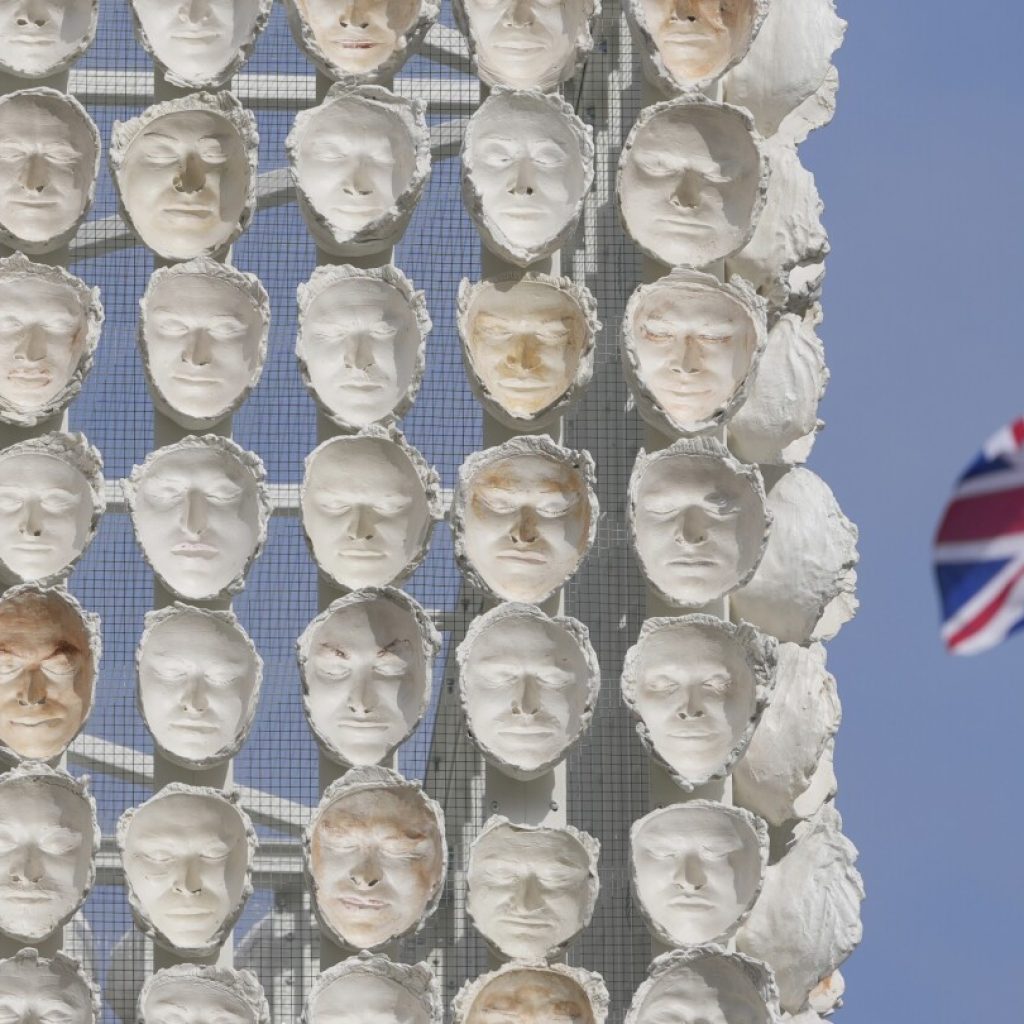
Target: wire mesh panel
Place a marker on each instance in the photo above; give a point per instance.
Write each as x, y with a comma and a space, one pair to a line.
278, 767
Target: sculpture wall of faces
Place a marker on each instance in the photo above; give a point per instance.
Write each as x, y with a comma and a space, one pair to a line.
698, 688
190, 993
527, 44
187, 854
199, 678
362, 343
524, 516
528, 992
527, 344
785, 752
49, 659
372, 986
203, 330
51, 501
808, 564
369, 506
200, 509
185, 172
50, 325
788, 62
532, 888
697, 869
49, 838
778, 422
360, 41
199, 45
43, 40
528, 684
376, 858
698, 521
691, 347
360, 161
706, 983
692, 181
527, 166
45, 989
807, 919
367, 670
687, 45
49, 160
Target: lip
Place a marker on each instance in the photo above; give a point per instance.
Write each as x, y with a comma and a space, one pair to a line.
523, 212
349, 723
35, 204
356, 384
526, 557
189, 912
519, 47
27, 895
187, 725
532, 924
32, 378
348, 43
184, 378
35, 723
691, 734
191, 212
368, 553
191, 550
43, 39
361, 903
35, 548
202, 36
691, 901
519, 384
527, 731
366, 209
690, 562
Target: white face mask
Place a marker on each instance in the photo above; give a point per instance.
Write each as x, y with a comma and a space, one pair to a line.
690, 182
361, 343
199, 682
200, 513
697, 869
527, 165
191, 994
49, 159
187, 860
43, 39
369, 505
33, 988
200, 43
47, 839
203, 334
359, 996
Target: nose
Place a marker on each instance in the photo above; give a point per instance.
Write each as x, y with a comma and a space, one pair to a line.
365, 874
690, 703
190, 876
191, 176
524, 531
33, 12
32, 518
522, 179
529, 696
523, 353
360, 697
358, 354
689, 356
361, 524
691, 526
35, 176
28, 867
687, 193
194, 697
194, 516
531, 897
690, 873
685, 10
32, 346
198, 349
35, 690
519, 13
353, 15
355, 178
195, 10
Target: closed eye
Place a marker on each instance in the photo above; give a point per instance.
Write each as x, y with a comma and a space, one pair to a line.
58, 500
223, 493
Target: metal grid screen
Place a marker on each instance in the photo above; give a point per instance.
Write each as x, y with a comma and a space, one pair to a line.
278, 765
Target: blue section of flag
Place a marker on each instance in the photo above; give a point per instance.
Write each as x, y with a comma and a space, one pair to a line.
983, 465
960, 581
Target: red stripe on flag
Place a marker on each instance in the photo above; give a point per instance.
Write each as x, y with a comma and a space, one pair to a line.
985, 616
983, 516
1018, 432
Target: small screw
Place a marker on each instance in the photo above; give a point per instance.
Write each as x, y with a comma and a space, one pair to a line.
554, 805
494, 805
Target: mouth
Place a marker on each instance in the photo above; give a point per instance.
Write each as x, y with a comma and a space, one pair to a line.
368, 554
692, 562
37, 547
34, 203
203, 35
521, 384
188, 549
691, 902
351, 723
520, 47
27, 895
368, 210
188, 913
37, 723
526, 557
349, 42
188, 212
360, 384
528, 731
527, 924
187, 725
361, 903
203, 382
35, 39
527, 213
688, 733
35, 378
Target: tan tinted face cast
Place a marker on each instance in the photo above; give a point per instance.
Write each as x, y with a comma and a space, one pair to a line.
376, 860
42, 34
525, 342
364, 998
531, 997
359, 35
699, 39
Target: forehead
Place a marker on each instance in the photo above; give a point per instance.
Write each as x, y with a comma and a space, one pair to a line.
685, 473
44, 981
360, 988
50, 801
522, 121
225, 637
692, 303
42, 118
378, 621
38, 619
383, 127
33, 291
524, 299
689, 641
693, 824
709, 981
340, 295
191, 460
190, 125
363, 464
696, 132
505, 842
28, 467
168, 288
524, 637
532, 988
200, 991
528, 472
205, 815
381, 806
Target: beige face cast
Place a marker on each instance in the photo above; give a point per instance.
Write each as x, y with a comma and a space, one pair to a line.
527, 992
44, 37
46, 990
194, 994
373, 988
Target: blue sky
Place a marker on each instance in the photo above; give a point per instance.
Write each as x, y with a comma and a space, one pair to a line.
921, 175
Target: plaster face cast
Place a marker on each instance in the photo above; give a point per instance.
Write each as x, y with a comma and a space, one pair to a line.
45, 38
192, 994
706, 984
527, 164
49, 159
807, 564
49, 654
360, 40
367, 669
699, 687
687, 44
51, 500
199, 683
203, 334
369, 506
528, 344
527, 44
372, 988
187, 855
698, 521
532, 889
50, 325
46, 991
377, 858
807, 920
48, 839
690, 348
692, 181
524, 517
528, 685
526, 992
200, 510
362, 343
360, 161
185, 171
697, 869
199, 44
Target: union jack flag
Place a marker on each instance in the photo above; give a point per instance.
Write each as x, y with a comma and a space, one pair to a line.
979, 548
